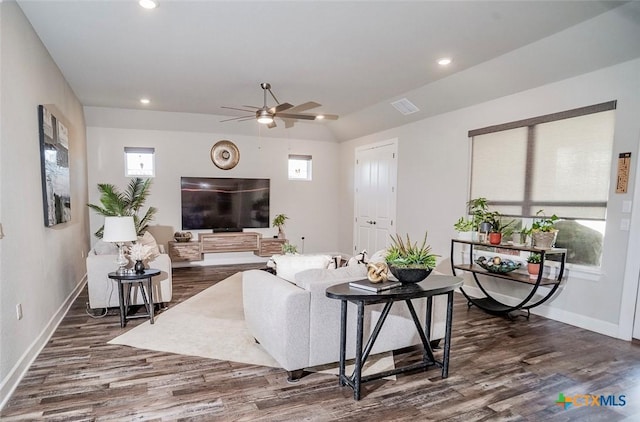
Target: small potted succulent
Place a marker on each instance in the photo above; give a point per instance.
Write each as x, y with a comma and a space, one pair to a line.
543, 231
533, 264
409, 262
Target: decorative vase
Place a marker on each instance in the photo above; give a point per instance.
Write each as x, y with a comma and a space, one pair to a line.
139, 267
410, 275
281, 233
544, 240
495, 238
533, 269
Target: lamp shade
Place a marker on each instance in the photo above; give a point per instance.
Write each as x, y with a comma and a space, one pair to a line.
119, 229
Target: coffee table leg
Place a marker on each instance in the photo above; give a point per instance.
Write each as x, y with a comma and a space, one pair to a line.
357, 373
447, 336
343, 340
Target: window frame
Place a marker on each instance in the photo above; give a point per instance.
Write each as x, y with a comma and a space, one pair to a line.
301, 157
528, 206
140, 150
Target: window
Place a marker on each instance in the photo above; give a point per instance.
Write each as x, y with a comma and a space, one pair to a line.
139, 162
299, 167
559, 163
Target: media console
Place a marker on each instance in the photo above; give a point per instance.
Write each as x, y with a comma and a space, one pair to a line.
224, 242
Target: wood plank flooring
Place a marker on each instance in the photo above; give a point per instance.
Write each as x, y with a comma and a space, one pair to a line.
501, 370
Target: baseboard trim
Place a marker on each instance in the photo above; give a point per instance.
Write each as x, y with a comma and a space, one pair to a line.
560, 315
10, 383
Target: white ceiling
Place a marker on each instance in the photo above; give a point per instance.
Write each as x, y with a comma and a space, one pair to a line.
352, 57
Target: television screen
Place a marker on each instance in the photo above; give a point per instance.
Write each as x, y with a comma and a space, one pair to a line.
224, 203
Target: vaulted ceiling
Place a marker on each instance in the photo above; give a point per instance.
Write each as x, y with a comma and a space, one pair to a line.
353, 57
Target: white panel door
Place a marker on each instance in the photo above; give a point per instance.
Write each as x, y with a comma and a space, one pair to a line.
375, 196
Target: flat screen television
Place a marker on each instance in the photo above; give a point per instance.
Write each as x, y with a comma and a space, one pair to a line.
224, 204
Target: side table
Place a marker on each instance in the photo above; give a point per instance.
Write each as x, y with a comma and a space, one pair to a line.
432, 286
129, 278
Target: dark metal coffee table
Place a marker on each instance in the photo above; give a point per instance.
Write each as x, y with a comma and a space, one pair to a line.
433, 285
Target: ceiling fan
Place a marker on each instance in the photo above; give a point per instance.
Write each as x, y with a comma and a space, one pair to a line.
285, 111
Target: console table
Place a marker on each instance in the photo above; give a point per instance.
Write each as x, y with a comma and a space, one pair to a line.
432, 286
492, 305
224, 242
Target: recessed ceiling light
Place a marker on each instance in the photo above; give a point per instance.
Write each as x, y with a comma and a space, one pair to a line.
444, 61
145, 100
148, 4
319, 117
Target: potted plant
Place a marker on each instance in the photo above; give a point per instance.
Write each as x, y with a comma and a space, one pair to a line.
533, 264
478, 209
543, 232
289, 249
278, 221
127, 203
409, 262
498, 228
464, 227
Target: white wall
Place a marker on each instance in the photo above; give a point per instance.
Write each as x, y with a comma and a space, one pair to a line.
40, 267
312, 206
433, 163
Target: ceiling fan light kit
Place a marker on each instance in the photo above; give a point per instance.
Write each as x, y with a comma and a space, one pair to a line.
264, 117
287, 112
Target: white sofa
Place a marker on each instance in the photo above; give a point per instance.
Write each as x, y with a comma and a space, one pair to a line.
300, 327
103, 291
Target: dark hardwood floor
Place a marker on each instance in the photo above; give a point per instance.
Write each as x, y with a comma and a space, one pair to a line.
501, 370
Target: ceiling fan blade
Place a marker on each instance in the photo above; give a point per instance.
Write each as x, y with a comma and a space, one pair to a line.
296, 116
272, 125
254, 107
328, 116
288, 123
239, 109
304, 106
280, 107
237, 118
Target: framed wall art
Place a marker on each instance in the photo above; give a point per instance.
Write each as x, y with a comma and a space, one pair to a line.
54, 156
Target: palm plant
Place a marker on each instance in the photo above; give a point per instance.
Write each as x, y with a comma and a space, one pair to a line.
127, 203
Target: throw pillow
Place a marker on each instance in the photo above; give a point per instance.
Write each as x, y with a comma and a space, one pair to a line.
378, 256
147, 239
288, 265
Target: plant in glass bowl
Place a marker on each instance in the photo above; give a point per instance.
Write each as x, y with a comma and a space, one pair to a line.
543, 231
409, 262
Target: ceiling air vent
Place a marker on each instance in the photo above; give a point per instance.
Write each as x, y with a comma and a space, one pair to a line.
405, 106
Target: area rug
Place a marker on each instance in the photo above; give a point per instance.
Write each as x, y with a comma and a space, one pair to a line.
211, 325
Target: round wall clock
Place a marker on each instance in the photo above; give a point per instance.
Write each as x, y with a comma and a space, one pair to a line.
225, 154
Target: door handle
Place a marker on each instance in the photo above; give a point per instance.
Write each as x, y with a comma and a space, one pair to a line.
371, 222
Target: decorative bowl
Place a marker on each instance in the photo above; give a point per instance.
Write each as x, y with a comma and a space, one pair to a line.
497, 265
410, 275
182, 236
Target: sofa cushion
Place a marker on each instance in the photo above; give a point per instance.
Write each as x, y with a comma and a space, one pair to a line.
288, 265
306, 278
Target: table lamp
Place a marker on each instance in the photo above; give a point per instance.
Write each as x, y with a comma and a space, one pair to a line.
119, 230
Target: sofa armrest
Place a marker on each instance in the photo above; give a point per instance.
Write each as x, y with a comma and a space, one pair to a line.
277, 315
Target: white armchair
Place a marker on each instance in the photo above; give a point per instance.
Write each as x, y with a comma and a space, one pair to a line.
103, 292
